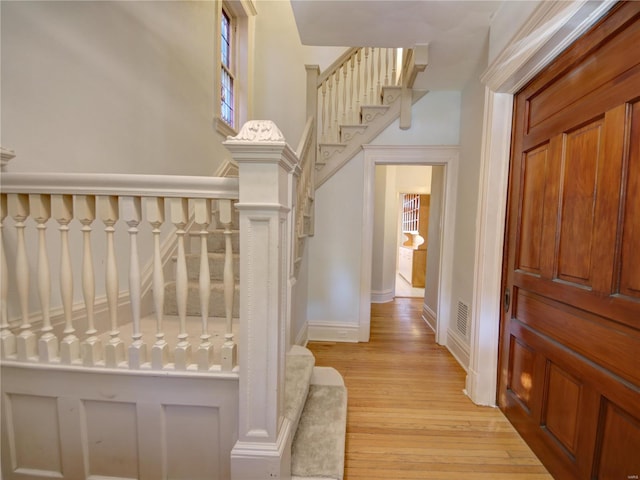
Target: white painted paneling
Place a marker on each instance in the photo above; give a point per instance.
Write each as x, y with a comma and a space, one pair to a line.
34, 434
198, 427
111, 438
72, 424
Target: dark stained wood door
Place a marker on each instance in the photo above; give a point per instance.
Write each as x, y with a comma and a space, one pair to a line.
569, 367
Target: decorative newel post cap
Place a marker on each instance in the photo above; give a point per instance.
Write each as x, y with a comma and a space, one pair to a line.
258, 131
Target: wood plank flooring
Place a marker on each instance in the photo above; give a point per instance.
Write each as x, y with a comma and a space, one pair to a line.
407, 415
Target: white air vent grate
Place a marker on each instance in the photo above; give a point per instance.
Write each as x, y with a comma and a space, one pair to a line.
462, 321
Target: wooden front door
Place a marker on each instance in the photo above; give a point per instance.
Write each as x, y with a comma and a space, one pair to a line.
569, 367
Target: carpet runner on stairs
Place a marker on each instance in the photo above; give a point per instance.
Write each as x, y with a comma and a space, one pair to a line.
316, 402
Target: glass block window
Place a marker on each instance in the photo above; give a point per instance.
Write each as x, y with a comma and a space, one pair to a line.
226, 69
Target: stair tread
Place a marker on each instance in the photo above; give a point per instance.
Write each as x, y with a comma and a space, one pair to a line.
318, 446
299, 367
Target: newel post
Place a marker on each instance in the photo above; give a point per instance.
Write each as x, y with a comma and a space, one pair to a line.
265, 163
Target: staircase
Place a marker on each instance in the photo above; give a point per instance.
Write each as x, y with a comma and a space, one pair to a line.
359, 96
315, 397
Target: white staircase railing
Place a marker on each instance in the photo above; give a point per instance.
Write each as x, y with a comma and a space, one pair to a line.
354, 79
123, 204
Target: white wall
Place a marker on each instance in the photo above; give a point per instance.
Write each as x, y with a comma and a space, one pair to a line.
127, 87
472, 112
280, 75
381, 292
435, 121
506, 21
120, 87
432, 278
112, 87
335, 251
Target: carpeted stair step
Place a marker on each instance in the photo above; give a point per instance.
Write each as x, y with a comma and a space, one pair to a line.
318, 446
216, 266
216, 300
298, 370
215, 241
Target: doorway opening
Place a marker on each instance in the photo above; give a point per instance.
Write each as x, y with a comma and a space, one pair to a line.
379, 252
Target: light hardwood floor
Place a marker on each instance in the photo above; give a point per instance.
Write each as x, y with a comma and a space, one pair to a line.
407, 415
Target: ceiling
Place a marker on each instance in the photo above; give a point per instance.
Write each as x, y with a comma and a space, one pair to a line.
457, 31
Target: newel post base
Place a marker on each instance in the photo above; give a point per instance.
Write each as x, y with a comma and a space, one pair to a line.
266, 164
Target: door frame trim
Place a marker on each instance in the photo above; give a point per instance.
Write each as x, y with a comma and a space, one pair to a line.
434, 155
553, 25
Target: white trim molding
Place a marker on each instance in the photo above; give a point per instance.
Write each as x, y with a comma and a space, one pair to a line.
383, 296
549, 30
429, 316
458, 347
333, 331
444, 155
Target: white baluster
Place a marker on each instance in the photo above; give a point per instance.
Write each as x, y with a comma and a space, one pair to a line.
337, 105
179, 217
41, 212
358, 57
85, 211
372, 97
202, 217
351, 81
378, 87
155, 216
62, 207
7, 338
19, 211
229, 350
109, 214
324, 107
132, 215
345, 71
366, 74
330, 102
394, 79
386, 66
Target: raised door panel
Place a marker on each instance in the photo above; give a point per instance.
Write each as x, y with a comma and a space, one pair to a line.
562, 407
534, 181
629, 270
569, 363
584, 152
617, 456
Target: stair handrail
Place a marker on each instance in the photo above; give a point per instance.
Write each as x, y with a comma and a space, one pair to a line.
72, 338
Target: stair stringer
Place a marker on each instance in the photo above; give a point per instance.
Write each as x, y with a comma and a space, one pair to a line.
340, 158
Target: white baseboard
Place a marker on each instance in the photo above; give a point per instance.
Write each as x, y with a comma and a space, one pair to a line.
429, 316
458, 348
333, 332
383, 296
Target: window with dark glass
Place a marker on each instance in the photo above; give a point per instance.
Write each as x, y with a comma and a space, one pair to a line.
226, 70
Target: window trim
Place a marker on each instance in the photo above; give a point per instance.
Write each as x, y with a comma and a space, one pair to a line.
241, 13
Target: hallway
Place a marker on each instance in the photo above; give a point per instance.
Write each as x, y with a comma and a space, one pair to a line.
408, 417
